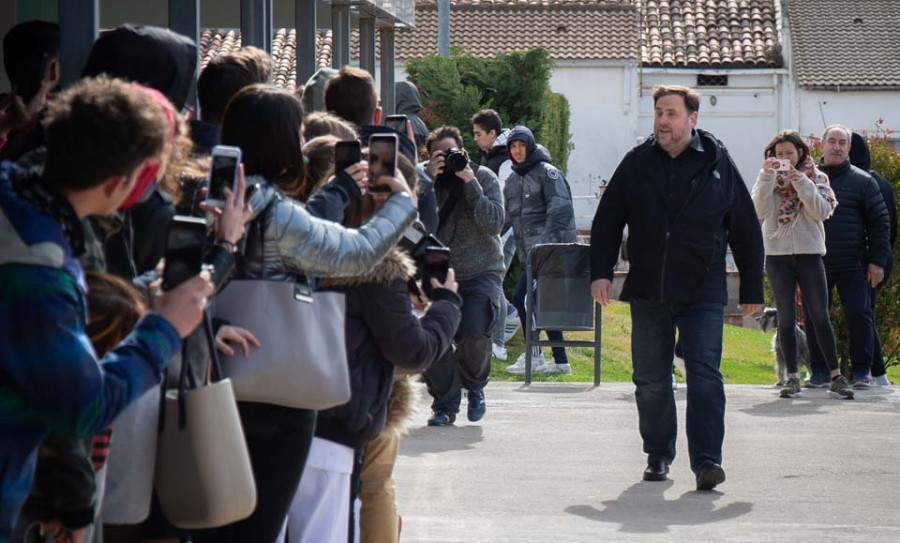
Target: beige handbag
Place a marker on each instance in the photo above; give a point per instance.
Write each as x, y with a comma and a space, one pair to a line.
204, 478
302, 358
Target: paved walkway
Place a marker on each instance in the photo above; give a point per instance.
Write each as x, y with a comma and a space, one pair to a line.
562, 463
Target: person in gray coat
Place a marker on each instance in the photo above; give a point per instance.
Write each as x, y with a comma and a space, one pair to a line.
471, 214
539, 209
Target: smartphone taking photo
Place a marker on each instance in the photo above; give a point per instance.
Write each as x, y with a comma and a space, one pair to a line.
185, 242
222, 173
382, 160
397, 123
435, 265
346, 154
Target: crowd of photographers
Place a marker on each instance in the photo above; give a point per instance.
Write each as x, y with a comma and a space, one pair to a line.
124, 219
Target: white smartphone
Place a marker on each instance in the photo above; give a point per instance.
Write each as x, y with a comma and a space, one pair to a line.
222, 173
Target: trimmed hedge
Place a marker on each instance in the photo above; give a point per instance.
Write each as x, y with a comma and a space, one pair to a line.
516, 85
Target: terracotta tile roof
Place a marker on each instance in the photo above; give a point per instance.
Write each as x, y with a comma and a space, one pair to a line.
843, 43
710, 33
215, 42
569, 29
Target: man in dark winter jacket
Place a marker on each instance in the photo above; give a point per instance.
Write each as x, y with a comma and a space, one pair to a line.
684, 202
491, 139
858, 251
539, 209
860, 157
471, 214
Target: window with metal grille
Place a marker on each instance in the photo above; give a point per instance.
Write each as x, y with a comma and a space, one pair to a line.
704, 80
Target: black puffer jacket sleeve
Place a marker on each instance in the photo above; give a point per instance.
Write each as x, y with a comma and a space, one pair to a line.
877, 221
404, 340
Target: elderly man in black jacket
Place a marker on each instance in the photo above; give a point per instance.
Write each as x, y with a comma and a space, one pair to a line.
683, 202
858, 251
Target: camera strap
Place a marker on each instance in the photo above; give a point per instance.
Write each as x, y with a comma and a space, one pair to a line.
447, 210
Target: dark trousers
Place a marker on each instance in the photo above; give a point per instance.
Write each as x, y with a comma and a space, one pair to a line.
652, 348
855, 295
278, 440
559, 353
878, 367
808, 271
469, 365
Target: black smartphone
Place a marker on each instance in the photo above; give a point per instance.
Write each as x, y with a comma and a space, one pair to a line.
222, 173
396, 123
382, 160
435, 265
346, 154
185, 242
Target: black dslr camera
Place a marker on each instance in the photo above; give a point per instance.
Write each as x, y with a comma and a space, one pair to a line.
419, 244
455, 160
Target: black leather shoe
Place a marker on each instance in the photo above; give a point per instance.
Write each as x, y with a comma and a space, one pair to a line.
442, 418
709, 476
657, 470
476, 405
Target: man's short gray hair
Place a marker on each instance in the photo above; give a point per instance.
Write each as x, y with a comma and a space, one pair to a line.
837, 127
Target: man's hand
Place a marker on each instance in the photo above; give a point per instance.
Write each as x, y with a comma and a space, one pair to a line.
749, 309
183, 305
601, 291
467, 175
875, 275
436, 164
235, 334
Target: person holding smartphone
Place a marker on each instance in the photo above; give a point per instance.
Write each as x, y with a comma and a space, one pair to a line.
793, 199
284, 242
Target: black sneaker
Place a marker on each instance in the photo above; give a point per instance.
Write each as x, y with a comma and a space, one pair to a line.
477, 406
791, 388
709, 476
442, 418
840, 388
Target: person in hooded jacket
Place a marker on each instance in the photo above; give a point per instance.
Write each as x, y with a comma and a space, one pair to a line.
857, 240
860, 157
408, 103
285, 241
382, 334
166, 61
539, 209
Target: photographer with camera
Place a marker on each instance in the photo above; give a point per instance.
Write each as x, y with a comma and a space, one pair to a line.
471, 215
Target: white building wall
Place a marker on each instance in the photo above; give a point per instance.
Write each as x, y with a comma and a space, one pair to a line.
603, 115
857, 109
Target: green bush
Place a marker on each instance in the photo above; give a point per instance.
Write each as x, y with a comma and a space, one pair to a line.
516, 85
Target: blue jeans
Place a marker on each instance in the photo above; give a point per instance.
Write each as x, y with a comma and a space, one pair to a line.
653, 326
855, 295
559, 353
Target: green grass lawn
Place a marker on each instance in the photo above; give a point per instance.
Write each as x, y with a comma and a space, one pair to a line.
746, 358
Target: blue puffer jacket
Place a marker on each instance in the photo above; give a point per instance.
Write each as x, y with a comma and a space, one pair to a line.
50, 378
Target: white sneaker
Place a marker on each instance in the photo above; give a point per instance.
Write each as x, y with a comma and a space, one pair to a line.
555, 369
512, 325
537, 363
499, 352
881, 381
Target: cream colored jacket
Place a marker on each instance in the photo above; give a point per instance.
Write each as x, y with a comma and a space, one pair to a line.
808, 234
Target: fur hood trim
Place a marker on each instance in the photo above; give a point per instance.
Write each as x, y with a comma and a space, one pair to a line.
403, 405
396, 265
